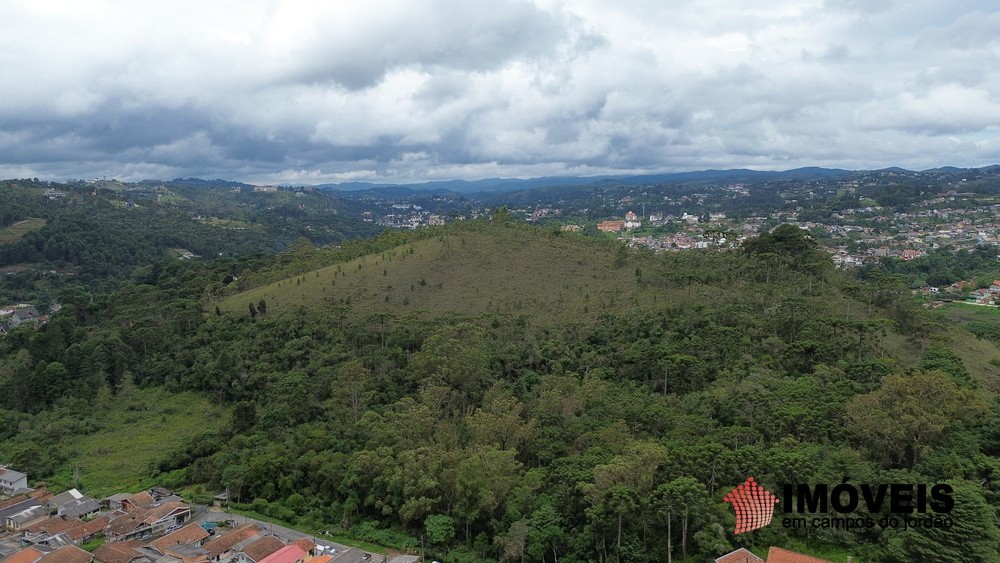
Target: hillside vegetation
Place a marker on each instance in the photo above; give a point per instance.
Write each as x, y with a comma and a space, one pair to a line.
466, 271
553, 279
496, 392
17, 231
113, 444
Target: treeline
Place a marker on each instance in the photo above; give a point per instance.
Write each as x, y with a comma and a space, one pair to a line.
101, 244
944, 266
96, 236
321, 217
18, 202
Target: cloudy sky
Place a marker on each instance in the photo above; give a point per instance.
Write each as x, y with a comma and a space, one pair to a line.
297, 91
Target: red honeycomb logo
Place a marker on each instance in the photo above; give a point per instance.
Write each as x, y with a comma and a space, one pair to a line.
754, 506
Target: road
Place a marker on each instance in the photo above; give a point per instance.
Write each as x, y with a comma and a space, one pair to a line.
207, 514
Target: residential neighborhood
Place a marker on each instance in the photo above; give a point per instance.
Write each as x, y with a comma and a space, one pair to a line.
151, 526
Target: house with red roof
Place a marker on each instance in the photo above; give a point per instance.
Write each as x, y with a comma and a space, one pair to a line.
141, 499
26, 555
261, 549
192, 534
120, 552
224, 547
741, 555
68, 554
88, 530
779, 555
611, 226
288, 554
141, 522
774, 555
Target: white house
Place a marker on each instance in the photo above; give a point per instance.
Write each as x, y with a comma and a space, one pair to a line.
11, 481
632, 221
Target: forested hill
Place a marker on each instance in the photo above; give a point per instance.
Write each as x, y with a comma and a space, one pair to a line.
500, 392
95, 234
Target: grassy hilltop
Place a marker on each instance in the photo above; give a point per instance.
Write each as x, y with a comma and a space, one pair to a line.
471, 271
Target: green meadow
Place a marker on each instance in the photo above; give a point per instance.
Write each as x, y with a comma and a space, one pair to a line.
17, 231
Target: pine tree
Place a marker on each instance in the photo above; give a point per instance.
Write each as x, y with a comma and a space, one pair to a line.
973, 536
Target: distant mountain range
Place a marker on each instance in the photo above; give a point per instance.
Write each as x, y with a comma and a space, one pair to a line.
516, 184
504, 185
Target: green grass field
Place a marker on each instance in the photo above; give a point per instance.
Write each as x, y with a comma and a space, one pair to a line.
981, 356
139, 432
16, 231
964, 312
169, 197
230, 223
551, 279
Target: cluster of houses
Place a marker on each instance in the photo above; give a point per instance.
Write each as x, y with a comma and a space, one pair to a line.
987, 295
630, 223
410, 220
774, 555
154, 526
844, 259
982, 296
675, 242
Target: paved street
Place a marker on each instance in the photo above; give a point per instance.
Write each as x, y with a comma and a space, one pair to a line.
206, 514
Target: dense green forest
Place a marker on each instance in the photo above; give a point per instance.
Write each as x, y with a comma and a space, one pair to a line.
497, 432
95, 235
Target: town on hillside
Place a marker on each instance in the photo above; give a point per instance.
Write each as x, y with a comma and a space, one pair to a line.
860, 219
150, 526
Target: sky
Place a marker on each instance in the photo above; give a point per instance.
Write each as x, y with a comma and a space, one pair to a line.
309, 92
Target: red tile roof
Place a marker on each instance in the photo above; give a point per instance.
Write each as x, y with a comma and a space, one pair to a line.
741, 555
13, 500
287, 554
778, 555
124, 525
162, 511
306, 544
225, 542
41, 495
188, 535
118, 552
26, 555
68, 554
141, 499
87, 530
54, 525
263, 548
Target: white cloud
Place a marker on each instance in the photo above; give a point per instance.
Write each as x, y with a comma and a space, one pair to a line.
948, 109
300, 91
